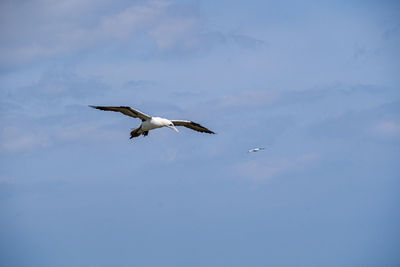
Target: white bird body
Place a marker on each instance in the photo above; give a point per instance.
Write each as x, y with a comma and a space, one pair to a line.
151, 123
154, 123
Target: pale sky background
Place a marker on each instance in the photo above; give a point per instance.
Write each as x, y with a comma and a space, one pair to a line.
315, 82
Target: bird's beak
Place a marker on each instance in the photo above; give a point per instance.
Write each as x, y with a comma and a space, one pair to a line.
173, 127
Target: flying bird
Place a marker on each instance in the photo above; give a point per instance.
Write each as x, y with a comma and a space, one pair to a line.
256, 149
151, 123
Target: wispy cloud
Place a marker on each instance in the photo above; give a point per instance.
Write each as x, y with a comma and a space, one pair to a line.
49, 36
386, 129
274, 166
57, 89
380, 120
13, 139
6, 180
55, 29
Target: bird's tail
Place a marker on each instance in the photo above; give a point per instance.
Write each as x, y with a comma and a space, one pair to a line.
135, 133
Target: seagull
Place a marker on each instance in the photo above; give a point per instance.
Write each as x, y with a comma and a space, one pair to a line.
151, 123
255, 149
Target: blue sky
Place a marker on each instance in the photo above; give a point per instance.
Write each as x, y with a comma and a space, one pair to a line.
315, 82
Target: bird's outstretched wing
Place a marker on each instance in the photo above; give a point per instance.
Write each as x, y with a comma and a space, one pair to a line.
128, 111
256, 149
192, 125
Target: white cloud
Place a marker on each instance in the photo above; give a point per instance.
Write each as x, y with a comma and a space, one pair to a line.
173, 32
249, 98
386, 129
132, 19
267, 168
6, 180
88, 132
55, 28
43, 35
15, 139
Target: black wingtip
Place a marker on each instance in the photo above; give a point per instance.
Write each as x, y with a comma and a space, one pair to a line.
204, 130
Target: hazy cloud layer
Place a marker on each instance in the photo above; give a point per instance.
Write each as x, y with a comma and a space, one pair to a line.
51, 32
314, 83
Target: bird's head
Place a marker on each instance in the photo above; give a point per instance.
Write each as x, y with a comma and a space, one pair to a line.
169, 124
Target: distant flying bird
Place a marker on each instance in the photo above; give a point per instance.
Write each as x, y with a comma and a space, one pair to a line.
151, 123
256, 149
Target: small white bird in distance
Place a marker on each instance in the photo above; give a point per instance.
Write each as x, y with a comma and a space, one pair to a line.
255, 149
151, 123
